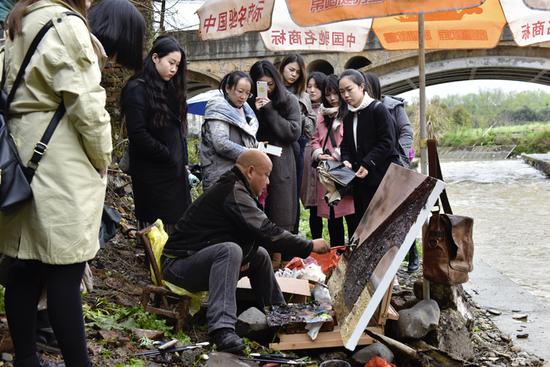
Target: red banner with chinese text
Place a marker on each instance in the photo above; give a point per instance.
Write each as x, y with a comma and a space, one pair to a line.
226, 18
316, 12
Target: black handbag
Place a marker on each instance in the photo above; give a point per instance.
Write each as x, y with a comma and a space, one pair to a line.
338, 172
15, 178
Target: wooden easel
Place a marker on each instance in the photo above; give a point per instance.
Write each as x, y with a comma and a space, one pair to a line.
329, 339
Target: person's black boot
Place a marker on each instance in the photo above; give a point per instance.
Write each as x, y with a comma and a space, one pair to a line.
414, 261
227, 341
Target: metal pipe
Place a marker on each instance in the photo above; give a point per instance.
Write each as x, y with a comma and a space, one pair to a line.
422, 114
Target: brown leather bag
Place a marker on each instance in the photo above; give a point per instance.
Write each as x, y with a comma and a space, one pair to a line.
448, 248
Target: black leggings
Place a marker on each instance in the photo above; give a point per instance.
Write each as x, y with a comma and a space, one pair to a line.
27, 279
335, 226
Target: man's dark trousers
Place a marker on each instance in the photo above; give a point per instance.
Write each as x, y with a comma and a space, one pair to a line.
216, 269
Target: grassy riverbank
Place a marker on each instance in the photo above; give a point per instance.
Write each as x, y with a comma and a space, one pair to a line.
529, 138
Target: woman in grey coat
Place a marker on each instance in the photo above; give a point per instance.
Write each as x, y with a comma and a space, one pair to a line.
280, 125
229, 128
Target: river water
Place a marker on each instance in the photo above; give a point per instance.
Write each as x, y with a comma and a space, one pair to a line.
510, 203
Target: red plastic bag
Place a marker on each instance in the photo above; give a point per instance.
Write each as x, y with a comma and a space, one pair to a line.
378, 362
329, 260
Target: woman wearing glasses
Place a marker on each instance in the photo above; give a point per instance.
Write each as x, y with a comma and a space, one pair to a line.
229, 127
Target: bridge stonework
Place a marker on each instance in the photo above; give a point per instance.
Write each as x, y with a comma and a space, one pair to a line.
398, 70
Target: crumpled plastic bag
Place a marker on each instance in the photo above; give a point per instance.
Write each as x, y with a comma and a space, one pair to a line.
158, 238
378, 362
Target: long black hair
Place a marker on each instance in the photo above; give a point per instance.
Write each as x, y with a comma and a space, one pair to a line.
358, 78
320, 79
331, 86
120, 28
231, 79
374, 84
300, 83
265, 68
160, 94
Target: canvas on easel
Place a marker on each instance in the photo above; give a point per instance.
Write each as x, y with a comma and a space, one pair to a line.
383, 237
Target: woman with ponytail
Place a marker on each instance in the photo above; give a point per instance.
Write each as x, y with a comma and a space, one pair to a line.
368, 145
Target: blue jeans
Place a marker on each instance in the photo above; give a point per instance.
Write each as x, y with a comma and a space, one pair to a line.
216, 269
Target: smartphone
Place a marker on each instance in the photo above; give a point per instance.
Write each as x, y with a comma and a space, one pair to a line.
261, 88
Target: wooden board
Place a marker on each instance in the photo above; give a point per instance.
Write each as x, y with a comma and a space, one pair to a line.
287, 285
328, 339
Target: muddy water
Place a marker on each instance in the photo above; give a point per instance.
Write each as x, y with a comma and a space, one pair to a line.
510, 203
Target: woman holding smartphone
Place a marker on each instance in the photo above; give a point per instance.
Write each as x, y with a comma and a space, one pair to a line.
279, 124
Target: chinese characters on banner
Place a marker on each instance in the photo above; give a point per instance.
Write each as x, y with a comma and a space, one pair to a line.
528, 26
316, 12
310, 39
225, 18
285, 35
478, 27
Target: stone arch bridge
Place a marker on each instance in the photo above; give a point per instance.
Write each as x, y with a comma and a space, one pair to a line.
398, 70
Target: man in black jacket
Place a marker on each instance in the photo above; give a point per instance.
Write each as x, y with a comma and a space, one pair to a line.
218, 239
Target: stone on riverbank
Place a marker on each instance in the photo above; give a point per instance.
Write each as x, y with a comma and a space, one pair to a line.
452, 335
416, 322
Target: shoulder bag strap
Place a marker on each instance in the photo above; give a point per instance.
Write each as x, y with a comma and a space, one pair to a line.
3, 81
42, 145
327, 136
434, 168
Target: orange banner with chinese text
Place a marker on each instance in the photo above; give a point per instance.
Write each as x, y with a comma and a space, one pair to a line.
316, 12
227, 18
478, 27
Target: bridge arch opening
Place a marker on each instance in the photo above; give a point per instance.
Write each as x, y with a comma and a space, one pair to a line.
357, 62
320, 65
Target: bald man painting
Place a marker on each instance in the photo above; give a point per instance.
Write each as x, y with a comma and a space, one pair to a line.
219, 239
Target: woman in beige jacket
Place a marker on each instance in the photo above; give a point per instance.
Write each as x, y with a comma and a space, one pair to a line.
54, 235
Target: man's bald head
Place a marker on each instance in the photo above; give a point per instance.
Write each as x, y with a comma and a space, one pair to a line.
255, 167
252, 157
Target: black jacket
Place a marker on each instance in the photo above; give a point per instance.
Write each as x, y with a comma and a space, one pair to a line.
376, 142
158, 156
228, 212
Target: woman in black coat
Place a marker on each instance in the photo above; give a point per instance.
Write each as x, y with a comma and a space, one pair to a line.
368, 145
153, 103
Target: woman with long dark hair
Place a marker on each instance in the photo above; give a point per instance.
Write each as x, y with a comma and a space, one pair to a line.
310, 180
326, 146
368, 145
229, 127
52, 236
293, 72
154, 107
279, 124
